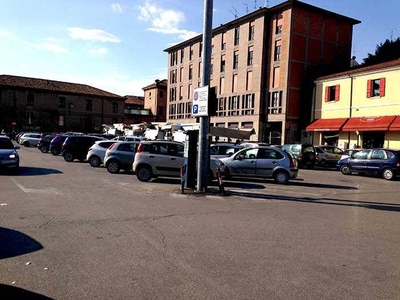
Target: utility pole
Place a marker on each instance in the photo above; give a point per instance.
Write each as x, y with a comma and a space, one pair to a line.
203, 160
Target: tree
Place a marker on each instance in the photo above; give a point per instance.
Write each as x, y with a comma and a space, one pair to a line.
389, 50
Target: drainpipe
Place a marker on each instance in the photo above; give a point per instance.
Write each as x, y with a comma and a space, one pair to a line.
351, 108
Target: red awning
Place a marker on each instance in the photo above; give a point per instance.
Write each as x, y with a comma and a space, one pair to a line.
327, 125
395, 126
369, 123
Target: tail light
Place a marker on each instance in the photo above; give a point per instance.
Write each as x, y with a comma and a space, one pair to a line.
112, 146
90, 149
317, 156
300, 155
63, 145
398, 164
139, 148
293, 163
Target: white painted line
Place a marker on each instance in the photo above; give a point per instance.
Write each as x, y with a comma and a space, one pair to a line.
37, 191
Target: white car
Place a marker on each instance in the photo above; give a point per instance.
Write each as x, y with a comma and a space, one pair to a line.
30, 139
165, 158
97, 151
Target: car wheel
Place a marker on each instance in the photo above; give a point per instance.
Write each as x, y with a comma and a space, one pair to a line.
55, 152
26, 144
388, 174
143, 173
94, 161
281, 177
345, 169
113, 166
68, 157
43, 149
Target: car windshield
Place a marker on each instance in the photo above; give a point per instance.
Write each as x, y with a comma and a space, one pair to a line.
6, 144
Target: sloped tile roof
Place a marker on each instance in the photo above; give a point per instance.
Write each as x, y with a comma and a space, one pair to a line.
134, 100
53, 85
361, 69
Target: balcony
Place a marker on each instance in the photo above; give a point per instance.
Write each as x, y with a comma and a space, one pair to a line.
135, 111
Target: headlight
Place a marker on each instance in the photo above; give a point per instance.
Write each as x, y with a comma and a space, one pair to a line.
12, 156
218, 162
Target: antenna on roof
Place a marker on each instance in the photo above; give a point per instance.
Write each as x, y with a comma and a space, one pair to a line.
266, 4
255, 4
234, 12
391, 34
247, 8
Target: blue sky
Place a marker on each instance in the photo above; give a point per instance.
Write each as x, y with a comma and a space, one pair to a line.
118, 45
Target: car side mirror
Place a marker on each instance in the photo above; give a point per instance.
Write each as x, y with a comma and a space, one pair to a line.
239, 157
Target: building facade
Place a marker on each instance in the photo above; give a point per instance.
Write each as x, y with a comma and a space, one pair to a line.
49, 105
360, 107
155, 100
263, 66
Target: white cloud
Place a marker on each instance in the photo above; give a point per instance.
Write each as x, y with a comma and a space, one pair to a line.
50, 47
92, 35
116, 7
98, 51
165, 21
182, 33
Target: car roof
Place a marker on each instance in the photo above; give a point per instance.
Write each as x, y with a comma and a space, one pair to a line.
161, 141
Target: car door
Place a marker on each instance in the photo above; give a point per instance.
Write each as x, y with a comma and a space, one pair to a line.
359, 161
159, 158
377, 159
176, 159
267, 161
243, 163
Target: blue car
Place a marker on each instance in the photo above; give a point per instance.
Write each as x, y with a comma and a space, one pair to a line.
379, 162
9, 158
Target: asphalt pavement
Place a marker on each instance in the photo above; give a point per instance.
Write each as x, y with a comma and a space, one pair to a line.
70, 231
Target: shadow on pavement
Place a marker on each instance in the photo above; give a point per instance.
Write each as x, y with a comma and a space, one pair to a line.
14, 243
329, 201
31, 171
14, 293
294, 182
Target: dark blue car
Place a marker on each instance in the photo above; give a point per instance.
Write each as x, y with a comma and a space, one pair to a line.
380, 162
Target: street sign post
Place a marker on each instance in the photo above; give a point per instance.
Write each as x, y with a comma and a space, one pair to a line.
200, 102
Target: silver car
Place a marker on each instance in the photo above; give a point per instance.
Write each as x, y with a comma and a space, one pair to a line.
261, 162
328, 155
165, 158
119, 156
30, 139
97, 151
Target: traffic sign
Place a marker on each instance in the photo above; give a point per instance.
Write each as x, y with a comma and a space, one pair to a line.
200, 102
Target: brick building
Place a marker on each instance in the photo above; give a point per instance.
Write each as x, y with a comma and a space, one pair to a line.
263, 66
155, 99
49, 105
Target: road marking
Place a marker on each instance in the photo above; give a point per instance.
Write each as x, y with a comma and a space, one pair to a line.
37, 191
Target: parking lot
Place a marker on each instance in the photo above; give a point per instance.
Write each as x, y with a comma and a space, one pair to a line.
71, 231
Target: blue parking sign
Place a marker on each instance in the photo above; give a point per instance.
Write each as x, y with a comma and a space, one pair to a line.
195, 109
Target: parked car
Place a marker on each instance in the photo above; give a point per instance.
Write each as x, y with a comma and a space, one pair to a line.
261, 162
304, 153
380, 162
165, 158
56, 144
97, 151
30, 139
328, 155
119, 156
219, 150
9, 158
77, 146
44, 143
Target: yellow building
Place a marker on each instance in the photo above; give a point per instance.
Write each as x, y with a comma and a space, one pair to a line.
358, 107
